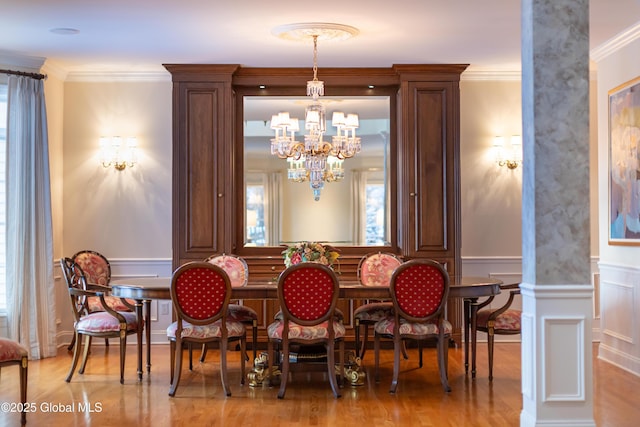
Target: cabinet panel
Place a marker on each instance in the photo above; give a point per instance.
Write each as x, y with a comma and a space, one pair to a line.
198, 158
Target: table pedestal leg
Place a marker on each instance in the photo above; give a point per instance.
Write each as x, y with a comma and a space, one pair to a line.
140, 326
147, 326
474, 324
467, 326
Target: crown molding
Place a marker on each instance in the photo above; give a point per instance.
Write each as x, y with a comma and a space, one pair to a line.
616, 43
135, 76
488, 74
22, 62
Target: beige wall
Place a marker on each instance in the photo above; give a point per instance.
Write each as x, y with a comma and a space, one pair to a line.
128, 214
122, 214
613, 70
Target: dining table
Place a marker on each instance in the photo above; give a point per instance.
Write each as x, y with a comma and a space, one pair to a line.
145, 289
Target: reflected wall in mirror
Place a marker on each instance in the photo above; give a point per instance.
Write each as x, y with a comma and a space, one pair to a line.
353, 211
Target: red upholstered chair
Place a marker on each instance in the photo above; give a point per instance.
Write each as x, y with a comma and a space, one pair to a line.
106, 323
97, 270
238, 272
503, 320
308, 294
200, 293
12, 353
374, 269
419, 289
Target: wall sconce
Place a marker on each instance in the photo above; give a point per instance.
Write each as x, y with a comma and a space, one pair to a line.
112, 152
512, 157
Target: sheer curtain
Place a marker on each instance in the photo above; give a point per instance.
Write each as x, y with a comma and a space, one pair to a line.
272, 198
30, 292
359, 206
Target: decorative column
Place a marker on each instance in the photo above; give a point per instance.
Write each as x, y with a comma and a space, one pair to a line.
557, 293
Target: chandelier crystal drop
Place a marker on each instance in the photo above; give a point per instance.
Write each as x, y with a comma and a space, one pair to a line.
315, 160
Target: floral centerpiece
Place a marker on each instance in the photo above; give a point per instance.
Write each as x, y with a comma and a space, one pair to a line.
310, 252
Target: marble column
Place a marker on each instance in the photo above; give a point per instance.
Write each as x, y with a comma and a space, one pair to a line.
557, 387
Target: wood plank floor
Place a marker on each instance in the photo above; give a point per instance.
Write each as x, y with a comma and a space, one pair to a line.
199, 400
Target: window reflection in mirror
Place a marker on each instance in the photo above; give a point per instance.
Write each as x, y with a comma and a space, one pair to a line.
351, 212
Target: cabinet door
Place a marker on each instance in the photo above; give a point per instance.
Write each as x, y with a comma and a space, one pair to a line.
199, 170
428, 190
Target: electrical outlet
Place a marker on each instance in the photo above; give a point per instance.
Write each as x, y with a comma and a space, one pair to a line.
164, 309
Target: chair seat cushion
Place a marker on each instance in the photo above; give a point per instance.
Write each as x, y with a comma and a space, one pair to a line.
94, 304
385, 327
241, 313
212, 330
104, 322
373, 312
11, 350
507, 321
298, 332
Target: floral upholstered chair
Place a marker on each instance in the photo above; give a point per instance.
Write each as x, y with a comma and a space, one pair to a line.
238, 272
419, 289
97, 271
200, 293
105, 323
503, 320
374, 269
12, 353
308, 294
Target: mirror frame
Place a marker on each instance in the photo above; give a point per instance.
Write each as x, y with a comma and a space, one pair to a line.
288, 82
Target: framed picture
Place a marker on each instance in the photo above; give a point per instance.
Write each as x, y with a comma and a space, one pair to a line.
624, 164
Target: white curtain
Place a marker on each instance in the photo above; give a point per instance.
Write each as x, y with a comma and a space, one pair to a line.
30, 286
359, 206
272, 216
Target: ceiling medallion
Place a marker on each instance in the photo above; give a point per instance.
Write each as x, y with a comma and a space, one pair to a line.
322, 30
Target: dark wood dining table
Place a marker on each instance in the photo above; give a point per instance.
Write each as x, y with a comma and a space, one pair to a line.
145, 289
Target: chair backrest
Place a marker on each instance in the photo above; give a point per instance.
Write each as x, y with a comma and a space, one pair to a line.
235, 267
200, 292
73, 274
308, 293
96, 267
375, 269
419, 289
75, 279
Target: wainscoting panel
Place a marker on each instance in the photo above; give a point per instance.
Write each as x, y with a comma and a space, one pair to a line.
620, 316
564, 375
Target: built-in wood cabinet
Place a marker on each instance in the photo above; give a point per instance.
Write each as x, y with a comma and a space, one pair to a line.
207, 163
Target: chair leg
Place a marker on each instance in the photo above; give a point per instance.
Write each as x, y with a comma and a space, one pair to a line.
85, 353
356, 329
443, 356
243, 351
72, 344
270, 360
284, 377
223, 366
203, 354
178, 367
76, 356
490, 340
254, 339
123, 354
172, 350
376, 350
341, 370
419, 354
190, 345
24, 363
331, 367
364, 340
397, 343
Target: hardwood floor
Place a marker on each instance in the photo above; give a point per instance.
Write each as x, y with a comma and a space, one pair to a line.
200, 401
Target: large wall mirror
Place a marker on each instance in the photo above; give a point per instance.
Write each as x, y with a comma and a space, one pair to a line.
354, 211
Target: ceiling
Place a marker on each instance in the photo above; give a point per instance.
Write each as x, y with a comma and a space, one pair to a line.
125, 36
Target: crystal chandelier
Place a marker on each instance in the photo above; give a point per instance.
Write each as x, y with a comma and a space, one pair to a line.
315, 160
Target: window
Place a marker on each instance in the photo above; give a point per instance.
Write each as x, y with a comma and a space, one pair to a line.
375, 225
3, 153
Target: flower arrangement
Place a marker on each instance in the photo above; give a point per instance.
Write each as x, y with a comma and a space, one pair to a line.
310, 252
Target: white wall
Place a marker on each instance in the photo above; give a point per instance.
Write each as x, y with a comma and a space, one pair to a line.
620, 265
